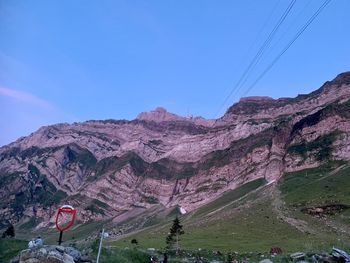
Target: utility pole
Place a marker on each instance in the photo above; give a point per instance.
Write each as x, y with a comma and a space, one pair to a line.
100, 247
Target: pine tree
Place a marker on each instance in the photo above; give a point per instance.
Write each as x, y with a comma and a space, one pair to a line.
174, 234
10, 231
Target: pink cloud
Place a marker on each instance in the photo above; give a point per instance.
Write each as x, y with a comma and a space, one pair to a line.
25, 97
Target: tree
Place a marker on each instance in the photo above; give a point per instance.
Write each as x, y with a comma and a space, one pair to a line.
174, 235
10, 231
229, 258
134, 241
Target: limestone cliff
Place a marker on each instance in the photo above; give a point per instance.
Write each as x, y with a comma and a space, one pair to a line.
105, 168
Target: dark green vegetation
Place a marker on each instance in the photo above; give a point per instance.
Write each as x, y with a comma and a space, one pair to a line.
74, 153
29, 224
151, 199
39, 190
155, 142
114, 254
9, 232
237, 150
254, 218
323, 145
162, 169
9, 248
333, 109
171, 170
173, 238
97, 207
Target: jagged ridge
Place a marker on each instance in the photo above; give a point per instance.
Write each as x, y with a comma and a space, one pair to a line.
109, 167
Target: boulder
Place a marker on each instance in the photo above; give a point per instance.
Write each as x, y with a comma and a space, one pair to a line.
297, 256
74, 253
340, 255
44, 255
51, 254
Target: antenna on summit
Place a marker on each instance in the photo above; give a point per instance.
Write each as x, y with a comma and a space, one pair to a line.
189, 116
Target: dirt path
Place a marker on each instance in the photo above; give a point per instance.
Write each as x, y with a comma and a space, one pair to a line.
280, 209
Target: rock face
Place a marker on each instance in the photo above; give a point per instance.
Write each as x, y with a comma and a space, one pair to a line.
51, 254
160, 115
106, 168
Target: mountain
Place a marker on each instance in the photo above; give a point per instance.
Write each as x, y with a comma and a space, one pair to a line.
113, 169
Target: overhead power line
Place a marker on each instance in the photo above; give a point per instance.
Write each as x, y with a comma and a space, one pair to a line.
258, 55
256, 40
284, 34
299, 33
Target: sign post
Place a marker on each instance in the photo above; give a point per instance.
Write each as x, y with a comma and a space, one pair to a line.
64, 220
100, 246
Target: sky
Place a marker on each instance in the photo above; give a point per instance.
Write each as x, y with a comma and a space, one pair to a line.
72, 61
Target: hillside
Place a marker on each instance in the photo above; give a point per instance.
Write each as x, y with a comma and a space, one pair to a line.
114, 170
258, 216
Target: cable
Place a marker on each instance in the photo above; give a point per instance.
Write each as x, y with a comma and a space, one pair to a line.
313, 17
258, 36
257, 57
297, 18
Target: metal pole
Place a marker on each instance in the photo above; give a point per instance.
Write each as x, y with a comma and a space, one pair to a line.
60, 238
100, 247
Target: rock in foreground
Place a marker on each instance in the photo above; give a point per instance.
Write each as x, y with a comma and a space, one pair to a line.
51, 254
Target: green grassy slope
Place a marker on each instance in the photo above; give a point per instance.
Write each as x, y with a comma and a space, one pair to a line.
9, 247
328, 184
246, 218
320, 187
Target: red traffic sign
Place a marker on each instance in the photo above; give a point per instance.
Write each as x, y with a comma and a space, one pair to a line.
65, 217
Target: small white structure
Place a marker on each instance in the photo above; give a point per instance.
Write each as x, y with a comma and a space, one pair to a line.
182, 210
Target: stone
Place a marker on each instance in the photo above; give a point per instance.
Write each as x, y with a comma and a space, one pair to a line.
60, 248
74, 253
297, 256
266, 261
50, 254
54, 253
68, 258
341, 255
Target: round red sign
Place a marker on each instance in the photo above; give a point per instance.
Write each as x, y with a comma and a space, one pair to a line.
65, 217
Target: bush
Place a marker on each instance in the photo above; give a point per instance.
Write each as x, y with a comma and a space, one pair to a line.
9, 232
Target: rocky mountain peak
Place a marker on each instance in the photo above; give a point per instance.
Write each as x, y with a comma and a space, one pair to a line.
343, 78
254, 104
267, 107
158, 115
256, 99
160, 110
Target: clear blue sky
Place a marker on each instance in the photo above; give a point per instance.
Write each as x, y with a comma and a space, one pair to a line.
66, 61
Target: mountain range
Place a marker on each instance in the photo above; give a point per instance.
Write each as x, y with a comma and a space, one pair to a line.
114, 169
